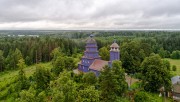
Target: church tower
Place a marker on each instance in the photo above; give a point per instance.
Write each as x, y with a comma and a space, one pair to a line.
114, 52
90, 54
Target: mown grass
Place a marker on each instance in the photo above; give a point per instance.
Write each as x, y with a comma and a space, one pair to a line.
174, 62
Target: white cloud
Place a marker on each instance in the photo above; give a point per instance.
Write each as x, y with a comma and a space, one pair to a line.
89, 14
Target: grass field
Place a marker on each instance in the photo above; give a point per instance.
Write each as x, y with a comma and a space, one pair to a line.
177, 63
7, 75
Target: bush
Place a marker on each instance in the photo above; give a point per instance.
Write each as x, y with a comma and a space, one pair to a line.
174, 68
141, 97
175, 54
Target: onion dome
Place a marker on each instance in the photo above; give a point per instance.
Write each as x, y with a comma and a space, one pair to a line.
90, 39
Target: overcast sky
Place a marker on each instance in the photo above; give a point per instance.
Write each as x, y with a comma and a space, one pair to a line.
89, 14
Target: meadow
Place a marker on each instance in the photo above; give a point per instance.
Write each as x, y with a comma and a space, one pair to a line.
177, 64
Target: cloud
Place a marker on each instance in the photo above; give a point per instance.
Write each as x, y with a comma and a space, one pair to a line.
89, 14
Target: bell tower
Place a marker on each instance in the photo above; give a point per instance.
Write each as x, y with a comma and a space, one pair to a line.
114, 52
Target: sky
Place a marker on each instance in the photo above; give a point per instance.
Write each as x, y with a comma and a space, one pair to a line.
89, 14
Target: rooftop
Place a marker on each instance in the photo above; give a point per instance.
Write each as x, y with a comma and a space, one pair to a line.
98, 64
115, 45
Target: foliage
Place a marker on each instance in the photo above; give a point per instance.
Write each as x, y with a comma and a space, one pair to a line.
155, 73
174, 68
89, 78
120, 77
177, 64
132, 55
69, 63
58, 65
64, 88
1, 61
175, 54
13, 58
42, 78
89, 94
55, 54
30, 96
167, 64
112, 82
141, 97
23, 83
104, 53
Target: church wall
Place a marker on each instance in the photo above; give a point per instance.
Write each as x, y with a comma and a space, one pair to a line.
83, 68
114, 55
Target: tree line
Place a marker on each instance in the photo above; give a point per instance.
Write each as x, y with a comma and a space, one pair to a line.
33, 49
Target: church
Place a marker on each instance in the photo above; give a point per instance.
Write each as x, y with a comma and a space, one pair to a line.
91, 61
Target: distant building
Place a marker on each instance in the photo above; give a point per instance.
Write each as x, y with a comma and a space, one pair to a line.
176, 88
91, 61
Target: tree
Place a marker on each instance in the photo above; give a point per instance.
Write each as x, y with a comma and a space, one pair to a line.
120, 77
155, 73
104, 53
55, 54
64, 88
167, 64
89, 94
1, 61
174, 67
17, 56
13, 58
162, 52
141, 97
22, 80
58, 65
107, 85
42, 78
69, 63
89, 78
111, 86
31, 96
175, 54
132, 56
27, 96
28, 60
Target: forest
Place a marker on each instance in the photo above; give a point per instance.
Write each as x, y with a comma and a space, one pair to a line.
38, 66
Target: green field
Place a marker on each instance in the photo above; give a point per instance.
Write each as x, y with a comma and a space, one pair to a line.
8, 77
177, 63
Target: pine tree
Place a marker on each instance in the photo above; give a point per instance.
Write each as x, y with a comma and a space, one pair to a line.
23, 83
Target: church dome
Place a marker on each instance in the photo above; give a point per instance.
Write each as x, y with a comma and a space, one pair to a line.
91, 40
114, 45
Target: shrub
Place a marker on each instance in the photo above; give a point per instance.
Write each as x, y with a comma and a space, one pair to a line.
141, 97
174, 68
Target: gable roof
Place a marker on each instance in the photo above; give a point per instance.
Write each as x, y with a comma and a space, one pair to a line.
98, 64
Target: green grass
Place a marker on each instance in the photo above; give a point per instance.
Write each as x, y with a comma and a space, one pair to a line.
9, 77
174, 62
